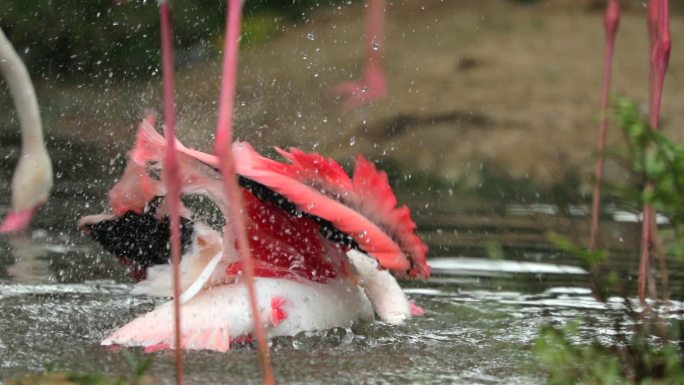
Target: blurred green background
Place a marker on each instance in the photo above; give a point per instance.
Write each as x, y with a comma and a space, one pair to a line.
79, 39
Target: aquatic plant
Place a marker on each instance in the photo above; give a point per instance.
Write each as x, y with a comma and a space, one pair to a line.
631, 358
656, 161
137, 375
644, 346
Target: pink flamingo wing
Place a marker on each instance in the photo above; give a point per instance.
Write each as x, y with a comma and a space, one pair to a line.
377, 196
373, 188
366, 209
312, 167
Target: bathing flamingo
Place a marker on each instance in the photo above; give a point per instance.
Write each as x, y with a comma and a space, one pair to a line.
223, 287
311, 231
302, 221
32, 180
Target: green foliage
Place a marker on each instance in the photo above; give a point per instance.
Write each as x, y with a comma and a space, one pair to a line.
139, 368
58, 378
633, 360
120, 39
642, 350
659, 163
259, 28
493, 250
569, 363
592, 260
89, 38
590, 257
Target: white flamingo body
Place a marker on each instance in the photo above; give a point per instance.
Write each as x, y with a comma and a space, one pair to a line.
221, 314
32, 180
382, 289
305, 281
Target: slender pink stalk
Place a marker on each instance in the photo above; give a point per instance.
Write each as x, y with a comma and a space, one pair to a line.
660, 46
373, 86
222, 148
646, 243
611, 21
660, 59
374, 28
172, 176
652, 25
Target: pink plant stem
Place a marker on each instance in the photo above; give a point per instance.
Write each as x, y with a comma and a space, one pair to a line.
611, 22
373, 85
222, 148
661, 44
172, 176
660, 58
652, 25
646, 242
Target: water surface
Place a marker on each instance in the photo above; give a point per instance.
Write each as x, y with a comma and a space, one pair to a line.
496, 281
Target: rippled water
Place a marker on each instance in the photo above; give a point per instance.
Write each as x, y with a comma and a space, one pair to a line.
59, 296
475, 336
470, 337
496, 281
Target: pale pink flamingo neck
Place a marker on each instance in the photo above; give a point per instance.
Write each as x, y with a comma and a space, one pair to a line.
19, 82
32, 179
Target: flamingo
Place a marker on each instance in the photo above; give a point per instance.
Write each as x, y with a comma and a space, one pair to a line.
301, 255
323, 243
32, 180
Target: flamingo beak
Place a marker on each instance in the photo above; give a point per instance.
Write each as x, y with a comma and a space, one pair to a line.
17, 221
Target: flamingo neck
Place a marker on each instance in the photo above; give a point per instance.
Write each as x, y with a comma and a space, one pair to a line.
24, 96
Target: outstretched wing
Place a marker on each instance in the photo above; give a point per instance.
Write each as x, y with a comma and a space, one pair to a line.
363, 207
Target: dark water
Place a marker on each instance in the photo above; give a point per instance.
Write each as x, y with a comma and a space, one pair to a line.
496, 281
